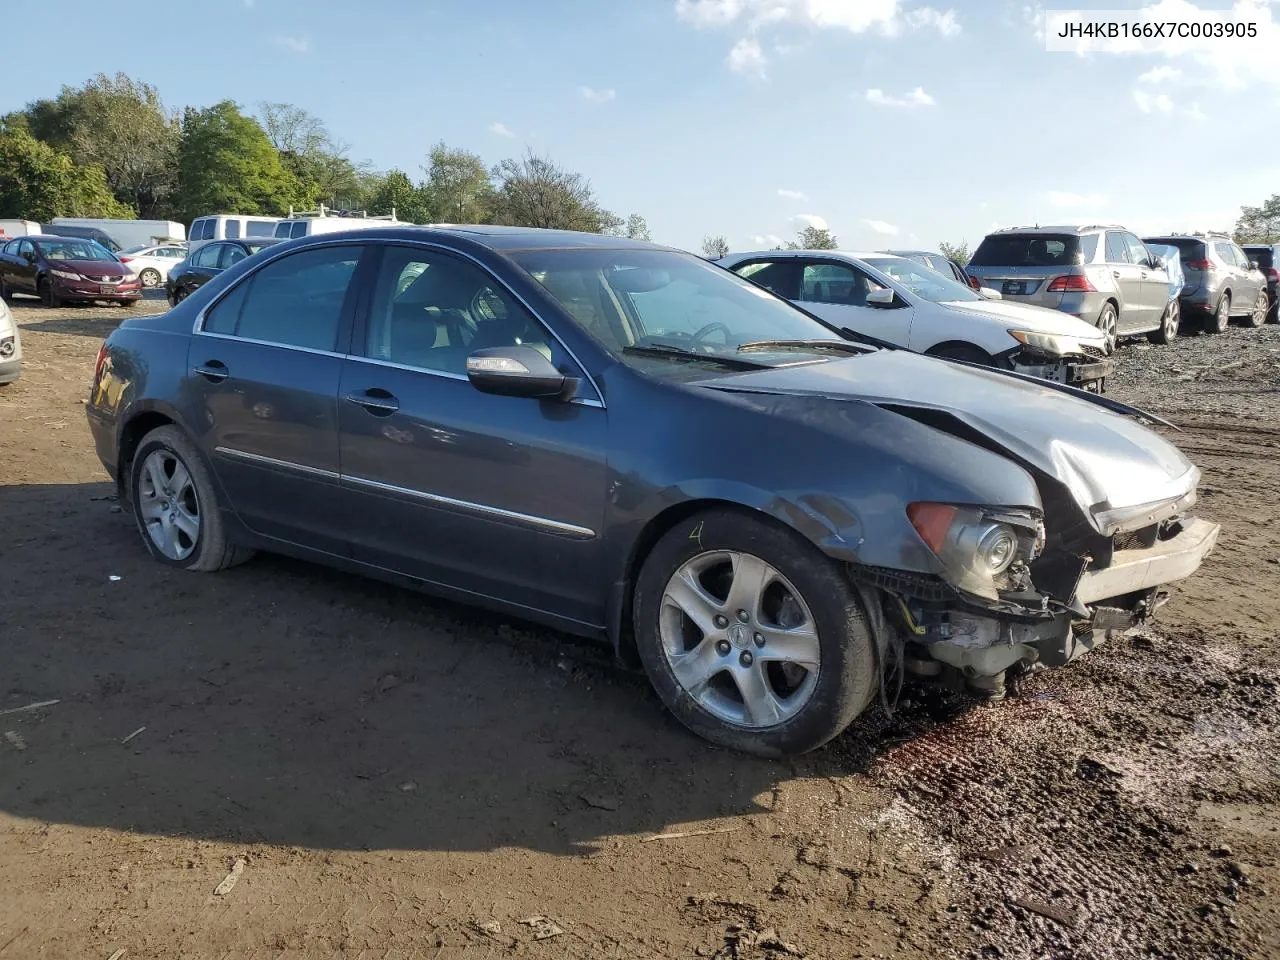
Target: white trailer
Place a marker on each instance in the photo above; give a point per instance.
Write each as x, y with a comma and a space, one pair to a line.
126, 233
17, 228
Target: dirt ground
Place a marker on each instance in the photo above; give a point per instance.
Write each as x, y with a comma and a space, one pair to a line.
408, 778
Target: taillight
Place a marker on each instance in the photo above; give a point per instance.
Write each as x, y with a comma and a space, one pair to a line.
1273, 275
1200, 264
973, 282
125, 259
1072, 283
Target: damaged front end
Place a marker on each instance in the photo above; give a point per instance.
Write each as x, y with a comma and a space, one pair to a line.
1019, 589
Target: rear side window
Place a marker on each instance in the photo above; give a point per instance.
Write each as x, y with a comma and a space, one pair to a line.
295, 301
233, 230
779, 277
260, 228
1028, 250
1117, 249
1224, 253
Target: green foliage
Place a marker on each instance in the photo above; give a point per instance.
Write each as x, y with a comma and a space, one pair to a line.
715, 247
226, 164
39, 183
534, 192
958, 252
459, 185
312, 155
813, 238
395, 191
1260, 224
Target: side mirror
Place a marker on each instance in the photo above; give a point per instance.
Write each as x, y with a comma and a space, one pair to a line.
880, 298
515, 372
1253, 265
1157, 263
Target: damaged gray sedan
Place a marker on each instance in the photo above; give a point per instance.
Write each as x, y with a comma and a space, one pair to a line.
770, 514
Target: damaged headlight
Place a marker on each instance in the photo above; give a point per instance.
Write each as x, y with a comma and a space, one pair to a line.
1053, 345
983, 550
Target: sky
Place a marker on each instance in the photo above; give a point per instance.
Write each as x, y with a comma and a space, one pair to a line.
894, 123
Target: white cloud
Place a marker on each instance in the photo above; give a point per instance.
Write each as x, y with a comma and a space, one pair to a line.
591, 95
882, 228
1075, 201
1160, 75
810, 220
501, 129
1153, 103
746, 57
856, 16
1033, 17
767, 240
916, 98
296, 44
791, 194
1195, 113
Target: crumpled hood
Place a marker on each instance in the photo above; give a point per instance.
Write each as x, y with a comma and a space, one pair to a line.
1022, 316
1106, 460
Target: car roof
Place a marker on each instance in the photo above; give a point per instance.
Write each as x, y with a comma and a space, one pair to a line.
847, 254
498, 238
916, 253
1060, 228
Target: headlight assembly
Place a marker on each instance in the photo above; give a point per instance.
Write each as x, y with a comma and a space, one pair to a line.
1051, 344
978, 546
65, 274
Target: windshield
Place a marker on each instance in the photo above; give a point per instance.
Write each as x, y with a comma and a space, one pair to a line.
660, 299
923, 282
74, 250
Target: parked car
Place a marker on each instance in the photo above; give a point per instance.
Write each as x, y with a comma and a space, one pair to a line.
1102, 274
10, 346
152, 264
323, 220
205, 262
1267, 257
98, 236
628, 442
123, 233
913, 306
224, 226
64, 270
942, 263
1221, 282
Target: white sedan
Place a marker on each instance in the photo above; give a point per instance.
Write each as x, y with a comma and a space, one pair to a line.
907, 304
152, 264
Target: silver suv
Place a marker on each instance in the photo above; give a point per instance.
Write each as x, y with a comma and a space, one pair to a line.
1222, 282
1101, 273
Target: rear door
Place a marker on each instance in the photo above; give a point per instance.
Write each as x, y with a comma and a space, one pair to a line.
262, 386
492, 495
837, 292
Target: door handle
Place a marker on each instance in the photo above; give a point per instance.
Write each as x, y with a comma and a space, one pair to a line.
379, 402
215, 371
1116, 274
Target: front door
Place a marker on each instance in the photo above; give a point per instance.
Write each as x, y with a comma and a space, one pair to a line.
1155, 283
1129, 283
261, 393
24, 278
496, 496
837, 292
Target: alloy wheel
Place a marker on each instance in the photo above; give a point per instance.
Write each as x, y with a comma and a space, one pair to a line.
1258, 316
150, 278
169, 505
739, 639
1107, 324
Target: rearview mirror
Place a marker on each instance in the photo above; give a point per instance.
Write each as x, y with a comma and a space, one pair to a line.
880, 298
515, 372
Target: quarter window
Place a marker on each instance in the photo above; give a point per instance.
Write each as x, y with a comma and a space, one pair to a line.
294, 301
232, 231
1223, 250
431, 311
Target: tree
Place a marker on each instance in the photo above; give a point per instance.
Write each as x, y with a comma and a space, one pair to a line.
638, 228
958, 252
397, 192
226, 164
713, 248
309, 151
1259, 224
813, 238
460, 186
535, 192
38, 182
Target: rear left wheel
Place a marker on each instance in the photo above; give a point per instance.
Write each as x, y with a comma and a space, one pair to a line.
752, 637
150, 277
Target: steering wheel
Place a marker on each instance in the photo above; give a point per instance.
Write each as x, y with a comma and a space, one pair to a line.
709, 329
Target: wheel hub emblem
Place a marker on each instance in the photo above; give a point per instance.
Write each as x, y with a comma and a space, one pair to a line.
740, 636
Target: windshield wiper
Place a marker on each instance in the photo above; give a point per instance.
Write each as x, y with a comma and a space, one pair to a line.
664, 350
810, 346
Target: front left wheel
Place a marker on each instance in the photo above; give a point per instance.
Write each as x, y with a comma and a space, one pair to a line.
751, 636
175, 504
1258, 314
1169, 323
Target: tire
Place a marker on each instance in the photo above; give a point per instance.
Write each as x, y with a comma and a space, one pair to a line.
1108, 322
1169, 323
1258, 314
150, 277
194, 497
1220, 319
961, 351
818, 701
48, 296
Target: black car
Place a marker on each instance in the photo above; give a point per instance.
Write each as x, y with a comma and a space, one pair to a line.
627, 442
1267, 257
206, 262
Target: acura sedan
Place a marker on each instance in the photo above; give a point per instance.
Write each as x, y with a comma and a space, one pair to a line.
624, 441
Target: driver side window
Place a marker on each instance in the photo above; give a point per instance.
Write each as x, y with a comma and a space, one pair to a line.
430, 311
836, 283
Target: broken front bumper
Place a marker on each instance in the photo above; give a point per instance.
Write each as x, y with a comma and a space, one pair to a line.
1071, 372
1167, 562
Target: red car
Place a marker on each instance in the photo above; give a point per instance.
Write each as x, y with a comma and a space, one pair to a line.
64, 269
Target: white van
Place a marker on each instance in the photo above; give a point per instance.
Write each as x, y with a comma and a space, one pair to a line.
17, 228
313, 222
125, 233
229, 226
